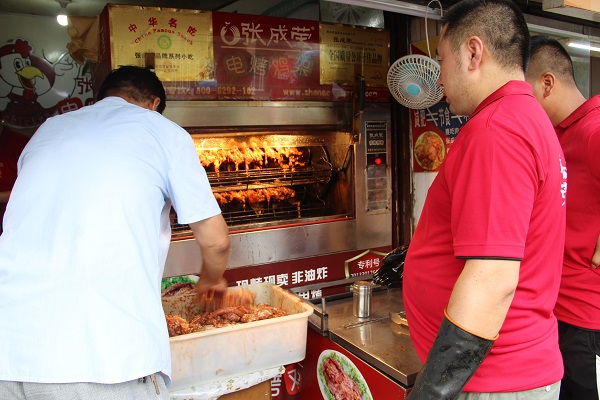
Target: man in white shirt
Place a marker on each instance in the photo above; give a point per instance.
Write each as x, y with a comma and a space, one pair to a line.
86, 235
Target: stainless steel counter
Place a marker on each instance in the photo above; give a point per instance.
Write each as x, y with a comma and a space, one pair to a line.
377, 340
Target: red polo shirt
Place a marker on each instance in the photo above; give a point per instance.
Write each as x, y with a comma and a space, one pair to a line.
499, 194
579, 297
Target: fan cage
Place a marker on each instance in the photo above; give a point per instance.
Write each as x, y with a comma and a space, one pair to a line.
412, 80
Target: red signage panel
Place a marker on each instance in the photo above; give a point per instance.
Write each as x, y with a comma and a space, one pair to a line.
265, 58
310, 271
321, 351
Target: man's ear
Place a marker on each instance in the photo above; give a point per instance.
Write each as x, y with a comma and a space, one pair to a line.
155, 103
475, 52
548, 80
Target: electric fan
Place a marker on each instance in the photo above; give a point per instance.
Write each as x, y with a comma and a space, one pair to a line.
412, 79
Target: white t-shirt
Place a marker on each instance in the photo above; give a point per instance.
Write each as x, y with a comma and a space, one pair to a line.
85, 241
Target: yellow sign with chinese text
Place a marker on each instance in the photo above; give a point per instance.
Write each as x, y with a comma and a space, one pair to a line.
346, 51
176, 43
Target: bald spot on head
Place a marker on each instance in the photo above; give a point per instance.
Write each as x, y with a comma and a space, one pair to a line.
548, 55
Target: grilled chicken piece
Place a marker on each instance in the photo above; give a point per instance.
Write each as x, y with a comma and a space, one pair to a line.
258, 200
179, 288
341, 386
224, 316
177, 325
278, 194
263, 311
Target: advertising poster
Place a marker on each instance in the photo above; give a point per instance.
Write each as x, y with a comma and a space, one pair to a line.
269, 58
353, 375
176, 44
434, 129
350, 50
266, 58
180, 41
33, 89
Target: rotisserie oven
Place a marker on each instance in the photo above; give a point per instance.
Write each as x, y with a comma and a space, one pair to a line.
292, 179
264, 178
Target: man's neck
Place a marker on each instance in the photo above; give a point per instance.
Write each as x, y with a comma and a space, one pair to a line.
569, 101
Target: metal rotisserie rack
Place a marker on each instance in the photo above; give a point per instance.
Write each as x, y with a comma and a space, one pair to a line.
264, 177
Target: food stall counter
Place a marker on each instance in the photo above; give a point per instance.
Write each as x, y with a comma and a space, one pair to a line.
376, 339
374, 351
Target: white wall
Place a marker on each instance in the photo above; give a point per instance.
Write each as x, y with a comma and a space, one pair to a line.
46, 36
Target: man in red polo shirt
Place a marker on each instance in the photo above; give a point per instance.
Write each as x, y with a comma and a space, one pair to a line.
482, 272
11, 146
577, 124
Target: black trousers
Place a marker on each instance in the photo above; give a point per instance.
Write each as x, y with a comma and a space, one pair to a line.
580, 350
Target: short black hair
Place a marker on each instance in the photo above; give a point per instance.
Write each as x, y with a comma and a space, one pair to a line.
499, 23
548, 55
137, 83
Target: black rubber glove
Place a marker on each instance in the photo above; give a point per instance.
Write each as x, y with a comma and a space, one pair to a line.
453, 359
391, 271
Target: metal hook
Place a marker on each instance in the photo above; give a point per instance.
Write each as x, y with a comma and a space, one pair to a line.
426, 34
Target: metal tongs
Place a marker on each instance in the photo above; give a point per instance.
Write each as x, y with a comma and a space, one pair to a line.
212, 301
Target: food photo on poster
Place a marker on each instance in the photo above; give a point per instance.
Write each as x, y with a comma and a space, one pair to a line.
339, 378
434, 130
429, 150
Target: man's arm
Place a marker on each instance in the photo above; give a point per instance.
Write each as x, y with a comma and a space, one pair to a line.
475, 313
596, 256
482, 295
212, 236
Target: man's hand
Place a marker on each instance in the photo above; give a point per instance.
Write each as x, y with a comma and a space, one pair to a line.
206, 287
212, 236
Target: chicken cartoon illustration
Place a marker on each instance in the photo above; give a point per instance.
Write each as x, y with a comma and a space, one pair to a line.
30, 87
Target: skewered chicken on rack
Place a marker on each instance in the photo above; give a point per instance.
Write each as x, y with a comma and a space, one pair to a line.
236, 199
251, 155
257, 199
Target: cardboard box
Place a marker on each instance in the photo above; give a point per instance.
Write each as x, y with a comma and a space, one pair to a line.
262, 391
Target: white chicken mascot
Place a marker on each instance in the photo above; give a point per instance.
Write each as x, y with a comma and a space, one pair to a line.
30, 87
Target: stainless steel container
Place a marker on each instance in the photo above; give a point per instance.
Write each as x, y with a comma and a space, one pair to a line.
362, 293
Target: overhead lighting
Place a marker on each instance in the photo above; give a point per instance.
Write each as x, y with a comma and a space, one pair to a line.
62, 18
584, 46
401, 7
